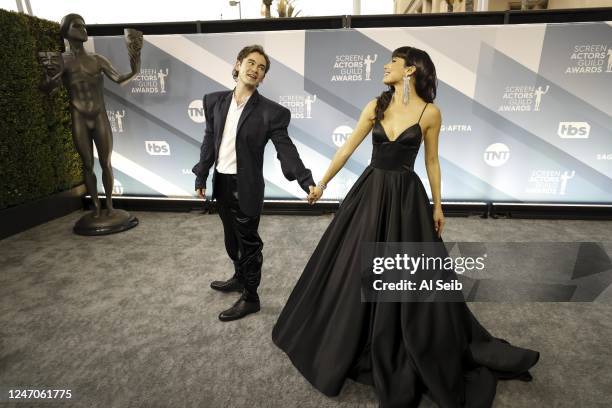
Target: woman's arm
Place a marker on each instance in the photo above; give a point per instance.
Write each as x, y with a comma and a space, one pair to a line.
363, 128
432, 164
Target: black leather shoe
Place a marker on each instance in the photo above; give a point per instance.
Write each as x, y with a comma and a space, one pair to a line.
240, 309
230, 285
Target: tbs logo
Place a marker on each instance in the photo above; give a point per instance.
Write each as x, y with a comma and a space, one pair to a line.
158, 148
574, 130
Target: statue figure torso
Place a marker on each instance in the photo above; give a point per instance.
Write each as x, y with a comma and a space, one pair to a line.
83, 79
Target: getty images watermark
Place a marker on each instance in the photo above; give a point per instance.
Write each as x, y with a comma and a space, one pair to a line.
474, 271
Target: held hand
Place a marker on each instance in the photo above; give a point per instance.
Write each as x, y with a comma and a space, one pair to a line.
201, 192
315, 194
438, 218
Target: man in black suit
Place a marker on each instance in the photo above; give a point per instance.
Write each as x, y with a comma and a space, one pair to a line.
239, 124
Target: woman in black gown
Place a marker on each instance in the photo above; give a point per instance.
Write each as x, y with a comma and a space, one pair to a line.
403, 349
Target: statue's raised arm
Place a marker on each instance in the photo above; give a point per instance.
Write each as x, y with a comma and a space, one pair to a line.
133, 40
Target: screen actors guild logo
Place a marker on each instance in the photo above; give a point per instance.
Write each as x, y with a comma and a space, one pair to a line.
565, 176
368, 66
353, 67
115, 118
522, 98
299, 106
341, 135
590, 59
496, 154
308, 102
538, 96
151, 81
195, 110
552, 182
161, 76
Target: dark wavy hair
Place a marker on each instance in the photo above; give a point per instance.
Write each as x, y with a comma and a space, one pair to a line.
426, 82
246, 51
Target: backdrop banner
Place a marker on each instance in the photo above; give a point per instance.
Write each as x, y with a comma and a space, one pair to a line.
526, 109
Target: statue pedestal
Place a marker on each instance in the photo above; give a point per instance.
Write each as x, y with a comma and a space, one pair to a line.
116, 221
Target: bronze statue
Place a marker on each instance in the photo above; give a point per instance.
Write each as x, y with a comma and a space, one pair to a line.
534, 4
267, 4
81, 73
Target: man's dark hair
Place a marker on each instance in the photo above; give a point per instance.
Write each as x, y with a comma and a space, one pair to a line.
65, 24
246, 51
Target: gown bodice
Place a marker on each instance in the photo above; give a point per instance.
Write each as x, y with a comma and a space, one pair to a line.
398, 154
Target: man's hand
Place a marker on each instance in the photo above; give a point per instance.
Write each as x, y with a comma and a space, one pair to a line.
201, 192
315, 194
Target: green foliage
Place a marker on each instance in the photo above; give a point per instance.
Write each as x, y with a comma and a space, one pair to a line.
37, 155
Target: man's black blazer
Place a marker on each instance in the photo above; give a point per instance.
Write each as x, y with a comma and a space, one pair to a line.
261, 120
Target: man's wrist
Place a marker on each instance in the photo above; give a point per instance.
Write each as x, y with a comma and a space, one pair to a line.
307, 184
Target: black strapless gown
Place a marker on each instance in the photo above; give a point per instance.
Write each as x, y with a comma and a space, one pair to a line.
402, 349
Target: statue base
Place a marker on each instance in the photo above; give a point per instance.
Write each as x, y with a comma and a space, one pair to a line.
116, 221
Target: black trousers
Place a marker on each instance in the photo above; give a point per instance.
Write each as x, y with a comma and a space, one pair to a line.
242, 240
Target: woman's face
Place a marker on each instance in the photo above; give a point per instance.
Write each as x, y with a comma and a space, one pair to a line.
395, 70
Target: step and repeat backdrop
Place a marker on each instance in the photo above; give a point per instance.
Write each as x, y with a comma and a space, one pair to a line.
527, 109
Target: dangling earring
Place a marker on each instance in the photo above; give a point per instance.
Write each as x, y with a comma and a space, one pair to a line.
406, 89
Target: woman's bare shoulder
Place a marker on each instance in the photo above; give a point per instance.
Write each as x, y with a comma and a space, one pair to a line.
432, 109
432, 114
369, 111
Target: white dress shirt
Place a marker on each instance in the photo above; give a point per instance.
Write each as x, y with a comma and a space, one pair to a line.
226, 162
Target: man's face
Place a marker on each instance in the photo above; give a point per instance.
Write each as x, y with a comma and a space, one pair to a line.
77, 30
252, 69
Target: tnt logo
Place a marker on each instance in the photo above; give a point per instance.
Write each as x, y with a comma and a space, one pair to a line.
496, 154
158, 148
341, 134
574, 130
196, 111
